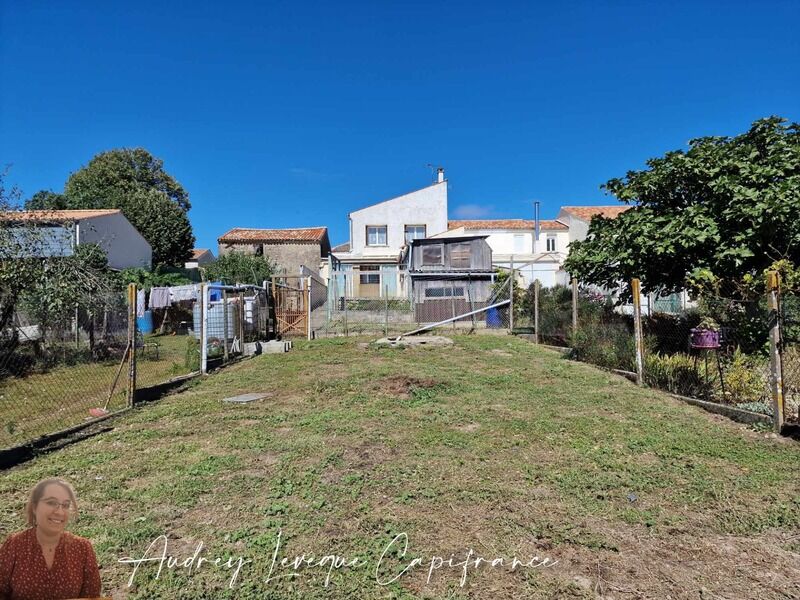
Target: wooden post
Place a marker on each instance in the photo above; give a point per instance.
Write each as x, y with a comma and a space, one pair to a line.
536, 285
775, 363
203, 328
574, 306
225, 324
637, 330
132, 344
453, 304
77, 329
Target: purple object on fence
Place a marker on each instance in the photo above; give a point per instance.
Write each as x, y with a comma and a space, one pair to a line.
704, 338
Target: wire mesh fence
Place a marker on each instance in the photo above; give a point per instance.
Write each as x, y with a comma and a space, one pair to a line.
353, 305
56, 365
790, 355
714, 346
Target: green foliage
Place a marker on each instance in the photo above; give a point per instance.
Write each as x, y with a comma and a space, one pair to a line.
161, 276
134, 181
606, 344
46, 200
236, 267
112, 177
192, 359
745, 379
675, 373
725, 208
162, 223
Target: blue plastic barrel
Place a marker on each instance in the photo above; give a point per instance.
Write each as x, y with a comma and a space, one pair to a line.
493, 318
145, 323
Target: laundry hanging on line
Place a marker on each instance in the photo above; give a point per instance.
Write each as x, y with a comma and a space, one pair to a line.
159, 297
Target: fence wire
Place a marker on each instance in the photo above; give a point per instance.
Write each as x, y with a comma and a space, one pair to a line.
790, 355
55, 367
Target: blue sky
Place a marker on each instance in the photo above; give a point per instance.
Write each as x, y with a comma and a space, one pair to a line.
293, 114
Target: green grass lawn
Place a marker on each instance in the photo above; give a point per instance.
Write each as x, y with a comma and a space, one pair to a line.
493, 445
60, 398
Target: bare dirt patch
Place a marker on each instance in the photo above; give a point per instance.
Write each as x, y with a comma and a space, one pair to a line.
401, 386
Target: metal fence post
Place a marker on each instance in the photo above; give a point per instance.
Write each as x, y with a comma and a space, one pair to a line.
574, 306
511, 295
203, 328
775, 363
344, 300
240, 310
536, 285
225, 324
386, 310
637, 330
131, 344
309, 282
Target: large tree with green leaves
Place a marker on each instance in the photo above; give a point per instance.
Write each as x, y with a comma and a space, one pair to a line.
134, 181
237, 267
724, 211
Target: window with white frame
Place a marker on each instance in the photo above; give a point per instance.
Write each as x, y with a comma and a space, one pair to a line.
376, 235
415, 232
551, 243
432, 255
367, 276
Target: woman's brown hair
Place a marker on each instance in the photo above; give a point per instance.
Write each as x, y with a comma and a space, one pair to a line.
38, 491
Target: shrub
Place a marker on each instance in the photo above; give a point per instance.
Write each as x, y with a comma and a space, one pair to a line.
744, 379
675, 373
192, 360
610, 345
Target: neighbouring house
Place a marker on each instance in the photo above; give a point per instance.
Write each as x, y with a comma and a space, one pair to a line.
379, 237
199, 256
60, 232
514, 244
578, 218
450, 276
289, 249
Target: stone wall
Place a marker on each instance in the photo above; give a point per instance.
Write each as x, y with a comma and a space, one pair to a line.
288, 257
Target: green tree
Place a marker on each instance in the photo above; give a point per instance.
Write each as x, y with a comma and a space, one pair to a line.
162, 223
134, 181
46, 200
112, 176
236, 268
722, 211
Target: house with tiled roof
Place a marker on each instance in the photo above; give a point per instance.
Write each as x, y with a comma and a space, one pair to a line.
535, 254
578, 218
289, 249
199, 257
60, 232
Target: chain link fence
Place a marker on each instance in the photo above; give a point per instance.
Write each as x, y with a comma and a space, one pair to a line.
454, 303
714, 347
55, 365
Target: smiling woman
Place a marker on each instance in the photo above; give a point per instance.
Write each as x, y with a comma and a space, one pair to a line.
45, 562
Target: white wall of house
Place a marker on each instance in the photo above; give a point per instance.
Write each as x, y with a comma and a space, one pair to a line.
427, 206
124, 245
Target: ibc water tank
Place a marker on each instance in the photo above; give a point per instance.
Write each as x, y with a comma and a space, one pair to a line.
216, 325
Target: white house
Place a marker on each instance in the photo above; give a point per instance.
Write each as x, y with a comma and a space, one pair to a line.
379, 235
199, 256
578, 218
59, 232
514, 244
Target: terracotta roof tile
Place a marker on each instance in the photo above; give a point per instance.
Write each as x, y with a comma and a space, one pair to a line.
544, 225
57, 215
587, 212
198, 252
306, 234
